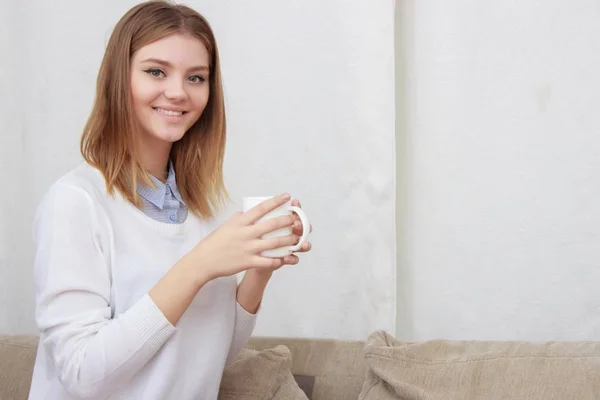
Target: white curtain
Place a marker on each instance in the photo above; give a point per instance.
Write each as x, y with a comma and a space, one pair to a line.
310, 100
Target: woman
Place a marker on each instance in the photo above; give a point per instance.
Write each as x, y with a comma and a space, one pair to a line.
135, 288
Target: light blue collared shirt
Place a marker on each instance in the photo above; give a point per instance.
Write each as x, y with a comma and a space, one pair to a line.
163, 203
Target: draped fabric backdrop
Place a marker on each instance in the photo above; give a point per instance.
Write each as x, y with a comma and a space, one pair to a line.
310, 101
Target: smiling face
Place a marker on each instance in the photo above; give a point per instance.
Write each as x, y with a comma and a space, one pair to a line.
169, 87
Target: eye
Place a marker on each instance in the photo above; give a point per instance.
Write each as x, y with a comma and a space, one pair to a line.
155, 72
196, 79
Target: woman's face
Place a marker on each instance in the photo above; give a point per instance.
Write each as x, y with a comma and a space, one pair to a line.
169, 86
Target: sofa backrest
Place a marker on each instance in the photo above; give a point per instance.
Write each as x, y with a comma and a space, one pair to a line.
17, 355
326, 369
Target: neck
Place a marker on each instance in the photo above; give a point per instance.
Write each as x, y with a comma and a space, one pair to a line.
154, 158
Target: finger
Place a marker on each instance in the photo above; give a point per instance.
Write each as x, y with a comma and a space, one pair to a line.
299, 229
261, 245
306, 246
297, 223
260, 210
291, 260
267, 262
296, 203
272, 225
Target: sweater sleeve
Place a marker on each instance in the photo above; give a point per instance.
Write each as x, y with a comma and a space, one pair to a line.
92, 353
244, 325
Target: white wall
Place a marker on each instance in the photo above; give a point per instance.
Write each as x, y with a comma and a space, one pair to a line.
15, 280
310, 95
310, 100
499, 160
497, 117
48, 85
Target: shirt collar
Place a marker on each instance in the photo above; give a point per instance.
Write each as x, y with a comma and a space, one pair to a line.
156, 195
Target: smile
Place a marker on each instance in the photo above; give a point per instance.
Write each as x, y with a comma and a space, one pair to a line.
169, 113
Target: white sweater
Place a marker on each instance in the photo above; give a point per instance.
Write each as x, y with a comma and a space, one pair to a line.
101, 336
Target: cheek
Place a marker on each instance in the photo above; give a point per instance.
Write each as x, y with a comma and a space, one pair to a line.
142, 94
199, 99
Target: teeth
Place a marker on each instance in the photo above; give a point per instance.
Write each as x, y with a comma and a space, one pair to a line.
169, 112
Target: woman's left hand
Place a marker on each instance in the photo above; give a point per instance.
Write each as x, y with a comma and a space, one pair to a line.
297, 230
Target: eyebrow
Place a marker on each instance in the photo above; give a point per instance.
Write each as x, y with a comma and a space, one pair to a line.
169, 65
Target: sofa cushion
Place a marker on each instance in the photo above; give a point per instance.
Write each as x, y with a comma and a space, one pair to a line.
326, 369
258, 375
447, 370
17, 355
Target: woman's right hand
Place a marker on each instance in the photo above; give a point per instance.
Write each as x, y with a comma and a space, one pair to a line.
236, 245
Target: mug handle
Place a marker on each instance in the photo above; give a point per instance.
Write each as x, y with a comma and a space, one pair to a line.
305, 227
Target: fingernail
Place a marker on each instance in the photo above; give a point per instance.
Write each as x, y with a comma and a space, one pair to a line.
286, 196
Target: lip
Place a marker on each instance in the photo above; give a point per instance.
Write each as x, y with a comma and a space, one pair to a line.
171, 109
172, 118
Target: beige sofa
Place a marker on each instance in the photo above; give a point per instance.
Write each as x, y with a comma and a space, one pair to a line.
380, 368
326, 369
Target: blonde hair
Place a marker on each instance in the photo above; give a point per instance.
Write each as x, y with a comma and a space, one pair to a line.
109, 138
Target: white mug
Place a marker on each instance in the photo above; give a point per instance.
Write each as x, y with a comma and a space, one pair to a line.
285, 209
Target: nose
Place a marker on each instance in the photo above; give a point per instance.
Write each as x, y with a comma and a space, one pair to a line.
175, 90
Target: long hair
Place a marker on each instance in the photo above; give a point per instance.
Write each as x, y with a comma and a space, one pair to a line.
109, 140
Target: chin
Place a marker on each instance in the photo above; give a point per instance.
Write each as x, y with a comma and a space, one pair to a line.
169, 136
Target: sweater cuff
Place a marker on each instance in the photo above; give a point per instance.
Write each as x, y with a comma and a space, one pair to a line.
245, 321
150, 322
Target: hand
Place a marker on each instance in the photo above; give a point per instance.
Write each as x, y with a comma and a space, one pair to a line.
298, 229
292, 259
236, 245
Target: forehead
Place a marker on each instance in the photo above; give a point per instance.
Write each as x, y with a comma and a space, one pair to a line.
178, 49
